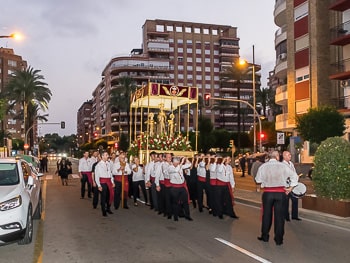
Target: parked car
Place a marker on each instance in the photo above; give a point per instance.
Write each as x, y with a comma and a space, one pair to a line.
20, 200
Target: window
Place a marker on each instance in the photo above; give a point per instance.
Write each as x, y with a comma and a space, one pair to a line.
207, 69
206, 31
189, 41
207, 52
199, 77
207, 60
169, 28
189, 59
180, 41
302, 42
189, 50
197, 30
180, 67
180, 59
12, 63
207, 77
301, 11
178, 29
198, 68
189, 68
160, 28
198, 51
199, 60
188, 29
214, 32
180, 50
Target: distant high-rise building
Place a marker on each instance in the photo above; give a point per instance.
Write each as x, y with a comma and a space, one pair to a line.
183, 54
312, 57
84, 122
10, 62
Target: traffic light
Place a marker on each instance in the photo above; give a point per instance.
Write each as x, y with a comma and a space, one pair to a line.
263, 136
116, 145
206, 99
63, 125
95, 134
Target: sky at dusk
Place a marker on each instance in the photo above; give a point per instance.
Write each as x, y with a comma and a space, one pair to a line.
71, 41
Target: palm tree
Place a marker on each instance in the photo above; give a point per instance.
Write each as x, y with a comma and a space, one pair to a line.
26, 87
115, 103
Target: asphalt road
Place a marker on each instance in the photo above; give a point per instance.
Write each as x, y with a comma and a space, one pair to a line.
72, 231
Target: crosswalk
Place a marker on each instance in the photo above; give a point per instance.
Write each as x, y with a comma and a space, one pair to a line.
50, 176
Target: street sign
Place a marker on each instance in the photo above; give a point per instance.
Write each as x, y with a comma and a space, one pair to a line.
280, 138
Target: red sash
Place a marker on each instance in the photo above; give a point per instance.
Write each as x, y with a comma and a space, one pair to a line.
167, 182
213, 182
201, 179
229, 186
110, 188
89, 176
183, 185
277, 189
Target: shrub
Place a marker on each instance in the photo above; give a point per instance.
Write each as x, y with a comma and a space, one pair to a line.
332, 169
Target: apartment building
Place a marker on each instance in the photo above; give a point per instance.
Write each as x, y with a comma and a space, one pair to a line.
10, 62
312, 49
84, 122
183, 54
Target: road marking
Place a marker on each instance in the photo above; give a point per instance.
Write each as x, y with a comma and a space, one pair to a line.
39, 242
242, 250
75, 176
49, 177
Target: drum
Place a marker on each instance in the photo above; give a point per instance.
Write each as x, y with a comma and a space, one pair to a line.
299, 190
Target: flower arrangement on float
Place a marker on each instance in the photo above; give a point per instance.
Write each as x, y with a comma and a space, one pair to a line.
160, 143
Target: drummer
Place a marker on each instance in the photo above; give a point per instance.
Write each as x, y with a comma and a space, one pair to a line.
287, 160
277, 179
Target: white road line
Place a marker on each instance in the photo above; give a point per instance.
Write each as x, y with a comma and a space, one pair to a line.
49, 177
242, 250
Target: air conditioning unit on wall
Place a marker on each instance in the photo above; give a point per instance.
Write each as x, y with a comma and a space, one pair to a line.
345, 83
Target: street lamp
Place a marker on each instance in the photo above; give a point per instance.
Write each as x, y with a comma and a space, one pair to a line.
16, 36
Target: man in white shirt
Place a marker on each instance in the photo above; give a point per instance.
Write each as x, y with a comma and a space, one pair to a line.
85, 166
274, 177
149, 179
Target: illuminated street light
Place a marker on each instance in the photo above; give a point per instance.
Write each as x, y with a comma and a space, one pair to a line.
16, 36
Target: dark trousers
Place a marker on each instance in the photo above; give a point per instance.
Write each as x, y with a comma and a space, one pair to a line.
201, 186
168, 202
84, 180
179, 198
223, 201
136, 190
95, 197
273, 203
154, 196
294, 207
211, 200
118, 195
105, 205
161, 199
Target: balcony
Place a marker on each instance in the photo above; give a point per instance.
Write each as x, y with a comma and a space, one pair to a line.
281, 66
280, 35
340, 5
280, 13
340, 35
281, 96
282, 123
340, 70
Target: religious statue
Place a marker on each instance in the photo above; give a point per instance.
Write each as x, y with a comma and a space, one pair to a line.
151, 123
171, 124
161, 120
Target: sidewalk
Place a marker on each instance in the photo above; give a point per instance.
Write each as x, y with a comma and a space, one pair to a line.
253, 198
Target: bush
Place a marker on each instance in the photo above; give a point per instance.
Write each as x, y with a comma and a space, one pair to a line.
332, 169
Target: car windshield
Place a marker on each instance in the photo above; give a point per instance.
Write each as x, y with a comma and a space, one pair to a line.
8, 174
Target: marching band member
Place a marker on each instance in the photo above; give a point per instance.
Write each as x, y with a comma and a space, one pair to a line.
149, 177
121, 170
273, 177
159, 183
105, 184
138, 180
201, 182
212, 187
178, 191
224, 189
167, 184
85, 166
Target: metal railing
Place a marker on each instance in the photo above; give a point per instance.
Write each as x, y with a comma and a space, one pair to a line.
340, 30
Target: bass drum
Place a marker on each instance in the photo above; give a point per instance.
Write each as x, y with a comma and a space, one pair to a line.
299, 190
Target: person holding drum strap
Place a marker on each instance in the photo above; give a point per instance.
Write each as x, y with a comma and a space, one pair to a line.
273, 176
287, 160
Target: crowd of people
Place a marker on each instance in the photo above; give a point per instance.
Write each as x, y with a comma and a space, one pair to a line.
169, 184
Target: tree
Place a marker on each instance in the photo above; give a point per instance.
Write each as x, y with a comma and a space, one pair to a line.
206, 138
266, 97
26, 87
320, 123
115, 103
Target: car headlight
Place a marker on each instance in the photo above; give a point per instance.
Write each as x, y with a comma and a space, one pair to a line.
11, 204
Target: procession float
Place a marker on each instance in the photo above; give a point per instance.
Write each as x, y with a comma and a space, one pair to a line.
162, 115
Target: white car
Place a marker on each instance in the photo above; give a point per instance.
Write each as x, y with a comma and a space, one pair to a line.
20, 200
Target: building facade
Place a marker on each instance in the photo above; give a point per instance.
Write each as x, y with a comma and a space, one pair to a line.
311, 57
84, 123
182, 54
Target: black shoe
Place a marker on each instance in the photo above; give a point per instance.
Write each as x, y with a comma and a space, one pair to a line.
176, 219
297, 218
89, 196
200, 210
126, 207
235, 217
104, 214
109, 212
210, 211
189, 218
94, 206
288, 219
169, 217
278, 243
221, 217
262, 239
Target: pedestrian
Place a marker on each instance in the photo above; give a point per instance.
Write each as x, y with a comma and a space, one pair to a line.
179, 193
167, 185
191, 180
295, 213
121, 170
159, 183
138, 181
242, 162
64, 168
149, 177
105, 184
274, 177
85, 166
43, 164
260, 159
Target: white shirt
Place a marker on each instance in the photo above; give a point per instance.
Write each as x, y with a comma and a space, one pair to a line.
224, 173
117, 169
176, 173
148, 170
158, 173
212, 169
138, 175
276, 174
201, 171
102, 170
85, 164
165, 167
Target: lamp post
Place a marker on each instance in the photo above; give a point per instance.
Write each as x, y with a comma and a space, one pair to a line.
14, 35
254, 102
